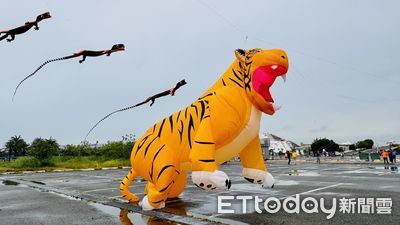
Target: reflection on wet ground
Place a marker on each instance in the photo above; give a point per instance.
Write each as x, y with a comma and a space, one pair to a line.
139, 219
99, 189
304, 173
127, 217
390, 168
9, 182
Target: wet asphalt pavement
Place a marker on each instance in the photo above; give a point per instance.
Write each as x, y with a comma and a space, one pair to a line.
92, 197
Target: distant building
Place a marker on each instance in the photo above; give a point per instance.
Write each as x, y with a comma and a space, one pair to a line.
3, 151
304, 149
345, 146
273, 145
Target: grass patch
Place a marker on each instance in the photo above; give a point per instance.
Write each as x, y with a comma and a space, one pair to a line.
62, 162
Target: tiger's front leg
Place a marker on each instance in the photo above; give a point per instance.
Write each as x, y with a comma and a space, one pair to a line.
254, 169
205, 173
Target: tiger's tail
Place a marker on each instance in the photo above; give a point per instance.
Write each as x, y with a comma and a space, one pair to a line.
124, 187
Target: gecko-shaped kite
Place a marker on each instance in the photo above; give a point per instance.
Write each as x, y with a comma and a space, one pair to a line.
150, 99
24, 28
222, 123
83, 53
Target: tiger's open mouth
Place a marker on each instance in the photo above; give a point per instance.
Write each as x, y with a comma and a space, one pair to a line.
264, 77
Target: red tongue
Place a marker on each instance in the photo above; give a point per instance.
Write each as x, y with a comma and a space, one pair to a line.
263, 78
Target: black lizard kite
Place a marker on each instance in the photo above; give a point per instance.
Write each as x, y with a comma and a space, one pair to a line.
24, 28
151, 98
83, 53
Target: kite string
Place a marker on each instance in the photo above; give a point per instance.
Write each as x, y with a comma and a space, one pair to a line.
242, 32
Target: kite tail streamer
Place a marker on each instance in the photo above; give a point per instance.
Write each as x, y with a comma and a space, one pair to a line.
152, 99
119, 110
40, 67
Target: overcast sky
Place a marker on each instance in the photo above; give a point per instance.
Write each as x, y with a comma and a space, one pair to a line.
342, 84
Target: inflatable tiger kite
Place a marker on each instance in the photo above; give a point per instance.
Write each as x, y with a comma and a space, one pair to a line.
222, 123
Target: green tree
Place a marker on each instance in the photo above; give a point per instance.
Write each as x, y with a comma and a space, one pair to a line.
82, 149
118, 149
369, 143
329, 145
365, 144
44, 149
16, 146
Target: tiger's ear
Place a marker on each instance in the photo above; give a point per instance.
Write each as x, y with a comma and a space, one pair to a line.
240, 54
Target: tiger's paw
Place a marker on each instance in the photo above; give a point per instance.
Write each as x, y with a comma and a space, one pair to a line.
146, 206
211, 180
269, 181
259, 177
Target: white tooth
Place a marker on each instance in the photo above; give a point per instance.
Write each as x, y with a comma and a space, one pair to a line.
276, 107
274, 67
284, 78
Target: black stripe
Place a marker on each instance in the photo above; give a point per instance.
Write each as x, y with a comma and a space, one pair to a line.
195, 106
204, 142
237, 76
123, 183
248, 70
223, 82
203, 108
141, 144
161, 127
171, 123
167, 186
179, 113
186, 112
248, 63
205, 96
148, 146
162, 170
152, 163
191, 125
154, 128
181, 132
208, 116
236, 82
240, 65
158, 201
207, 160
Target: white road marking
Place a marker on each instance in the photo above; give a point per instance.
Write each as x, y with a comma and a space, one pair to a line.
103, 189
313, 190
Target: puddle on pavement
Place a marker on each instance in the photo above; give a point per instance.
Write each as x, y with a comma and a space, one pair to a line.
303, 173
13, 183
286, 183
130, 218
390, 168
10, 182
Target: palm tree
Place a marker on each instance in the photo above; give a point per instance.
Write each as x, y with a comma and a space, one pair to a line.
17, 146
